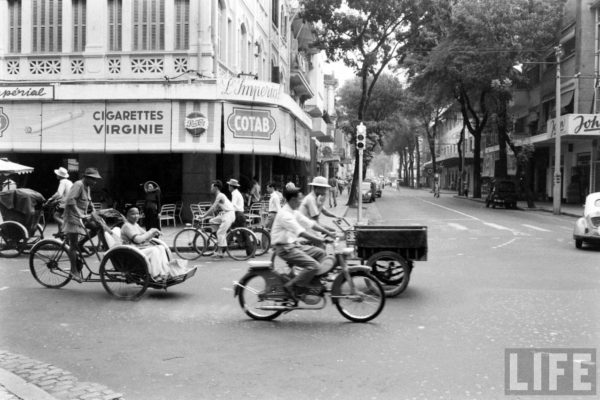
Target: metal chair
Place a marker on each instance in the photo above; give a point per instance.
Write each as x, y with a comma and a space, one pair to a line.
167, 213
178, 208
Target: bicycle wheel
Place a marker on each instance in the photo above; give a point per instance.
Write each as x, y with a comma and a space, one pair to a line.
249, 295
124, 273
263, 240
189, 243
365, 303
49, 263
392, 270
12, 239
241, 244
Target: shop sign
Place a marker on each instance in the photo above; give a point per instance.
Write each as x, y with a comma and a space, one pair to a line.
248, 89
15, 93
196, 123
3, 121
576, 124
251, 124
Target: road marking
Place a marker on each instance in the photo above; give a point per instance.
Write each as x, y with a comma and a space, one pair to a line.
4, 288
504, 244
451, 209
458, 226
536, 228
504, 228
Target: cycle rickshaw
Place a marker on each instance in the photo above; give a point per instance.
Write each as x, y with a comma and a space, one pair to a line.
122, 270
21, 210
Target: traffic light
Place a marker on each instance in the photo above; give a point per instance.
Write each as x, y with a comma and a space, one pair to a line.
361, 136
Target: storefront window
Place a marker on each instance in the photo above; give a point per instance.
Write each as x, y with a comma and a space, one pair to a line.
47, 26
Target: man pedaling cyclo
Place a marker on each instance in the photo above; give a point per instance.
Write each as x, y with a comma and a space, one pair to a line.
289, 226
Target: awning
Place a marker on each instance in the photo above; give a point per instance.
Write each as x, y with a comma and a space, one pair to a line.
9, 167
566, 98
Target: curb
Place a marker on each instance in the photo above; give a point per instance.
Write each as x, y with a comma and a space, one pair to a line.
20, 388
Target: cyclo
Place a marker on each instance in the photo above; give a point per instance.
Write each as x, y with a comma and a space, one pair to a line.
21, 210
123, 269
355, 292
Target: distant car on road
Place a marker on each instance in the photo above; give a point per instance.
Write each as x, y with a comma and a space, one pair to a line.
503, 193
587, 228
367, 194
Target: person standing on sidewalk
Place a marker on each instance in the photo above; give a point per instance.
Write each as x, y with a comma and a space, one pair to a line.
64, 186
333, 191
75, 216
275, 201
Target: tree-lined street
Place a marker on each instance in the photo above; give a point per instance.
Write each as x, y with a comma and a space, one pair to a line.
494, 279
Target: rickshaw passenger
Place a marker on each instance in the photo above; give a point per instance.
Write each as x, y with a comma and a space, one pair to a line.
76, 206
158, 256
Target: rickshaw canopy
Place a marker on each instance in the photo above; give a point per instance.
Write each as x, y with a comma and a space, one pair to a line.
9, 167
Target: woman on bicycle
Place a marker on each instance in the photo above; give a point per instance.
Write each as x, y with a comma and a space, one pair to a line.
224, 220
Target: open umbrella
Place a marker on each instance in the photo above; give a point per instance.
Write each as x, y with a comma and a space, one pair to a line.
9, 167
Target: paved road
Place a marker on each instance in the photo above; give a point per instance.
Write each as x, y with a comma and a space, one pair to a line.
494, 279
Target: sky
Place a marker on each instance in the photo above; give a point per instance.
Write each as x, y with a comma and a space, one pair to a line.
341, 71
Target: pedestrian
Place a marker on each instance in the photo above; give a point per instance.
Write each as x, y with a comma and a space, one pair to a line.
275, 203
64, 186
254, 195
333, 191
466, 188
152, 204
76, 218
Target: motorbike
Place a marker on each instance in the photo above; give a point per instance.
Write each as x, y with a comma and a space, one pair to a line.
354, 291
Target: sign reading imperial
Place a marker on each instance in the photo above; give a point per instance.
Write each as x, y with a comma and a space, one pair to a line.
13, 93
251, 124
249, 89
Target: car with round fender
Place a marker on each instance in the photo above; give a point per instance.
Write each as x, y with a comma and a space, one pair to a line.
587, 228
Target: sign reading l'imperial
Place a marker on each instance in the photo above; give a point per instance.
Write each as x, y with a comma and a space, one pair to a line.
13, 93
248, 89
251, 124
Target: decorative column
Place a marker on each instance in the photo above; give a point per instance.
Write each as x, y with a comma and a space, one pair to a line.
96, 36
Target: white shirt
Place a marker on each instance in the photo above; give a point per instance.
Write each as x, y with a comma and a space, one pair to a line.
275, 201
238, 200
63, 189
311, 206
288, 225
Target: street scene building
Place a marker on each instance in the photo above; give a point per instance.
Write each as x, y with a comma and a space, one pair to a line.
180, 92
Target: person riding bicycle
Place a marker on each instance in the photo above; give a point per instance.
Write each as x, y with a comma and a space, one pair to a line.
60, 196
76, 219
289, 226
224, 220
238, 203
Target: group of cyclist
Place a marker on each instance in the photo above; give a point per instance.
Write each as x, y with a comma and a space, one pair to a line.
292, 218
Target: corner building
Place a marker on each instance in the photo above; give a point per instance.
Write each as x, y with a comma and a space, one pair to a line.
180, 92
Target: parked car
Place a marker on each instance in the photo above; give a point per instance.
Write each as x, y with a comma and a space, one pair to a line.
378, 188
587, 228
367, 194
503, 193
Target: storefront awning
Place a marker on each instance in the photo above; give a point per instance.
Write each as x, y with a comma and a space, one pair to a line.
9, 167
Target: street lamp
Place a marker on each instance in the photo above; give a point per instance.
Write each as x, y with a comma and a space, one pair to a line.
361, 133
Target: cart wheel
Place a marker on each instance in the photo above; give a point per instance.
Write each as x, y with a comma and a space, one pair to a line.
12, 239
392, 270
241, 244
124, 273
263, 240
49, 263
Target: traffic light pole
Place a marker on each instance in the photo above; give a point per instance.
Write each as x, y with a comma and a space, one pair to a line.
359, 189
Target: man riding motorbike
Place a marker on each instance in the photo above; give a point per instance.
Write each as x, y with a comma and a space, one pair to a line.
289, 226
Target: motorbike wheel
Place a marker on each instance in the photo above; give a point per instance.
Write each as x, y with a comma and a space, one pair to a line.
251, 287
365, 303
392, 270
49, 263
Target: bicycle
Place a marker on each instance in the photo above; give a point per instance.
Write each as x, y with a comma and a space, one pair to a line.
194, 241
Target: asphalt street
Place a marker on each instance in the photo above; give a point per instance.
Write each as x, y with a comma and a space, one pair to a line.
494, 279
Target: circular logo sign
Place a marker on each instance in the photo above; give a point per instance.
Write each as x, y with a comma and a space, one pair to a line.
3, 121
196, 123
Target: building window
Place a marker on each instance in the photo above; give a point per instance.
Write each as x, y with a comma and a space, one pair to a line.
115, 24
148, 24
231, 45
222, 49
243, 48
14, 26
275, 13
182, 24
78, 25
568, 47
47, 26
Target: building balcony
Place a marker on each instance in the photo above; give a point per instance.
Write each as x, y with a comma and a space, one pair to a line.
320, 130
300, 85
84, 67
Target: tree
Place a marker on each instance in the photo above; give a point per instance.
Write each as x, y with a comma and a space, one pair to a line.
368, 36
480, 43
